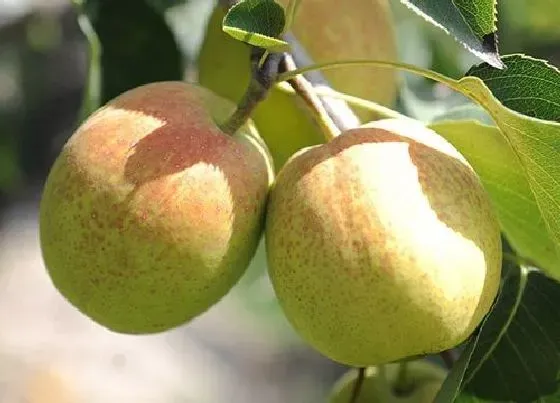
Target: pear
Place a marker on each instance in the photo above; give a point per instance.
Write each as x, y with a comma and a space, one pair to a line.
382, 244
380, 385
332, 30
151, 213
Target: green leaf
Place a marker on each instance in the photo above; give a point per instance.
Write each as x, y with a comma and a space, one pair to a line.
536, 142
528, 86
137, 47
471, 22
466, 111
450, 388
517, 354
479, 14
503, 177
454, 382
258, 23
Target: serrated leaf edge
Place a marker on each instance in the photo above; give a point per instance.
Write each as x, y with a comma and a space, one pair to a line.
490, 58
524, 56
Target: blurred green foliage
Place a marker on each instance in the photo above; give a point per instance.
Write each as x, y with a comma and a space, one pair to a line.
136, 47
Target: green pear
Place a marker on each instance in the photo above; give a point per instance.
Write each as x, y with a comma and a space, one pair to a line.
151, 213
382, 244
332, 30
380, 385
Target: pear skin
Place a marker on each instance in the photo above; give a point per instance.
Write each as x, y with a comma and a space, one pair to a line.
151, 213
382, 244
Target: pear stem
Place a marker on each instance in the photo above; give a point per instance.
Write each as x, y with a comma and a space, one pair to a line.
307, 93
331, 118
448, 357
402, 384
358, 385
262, 79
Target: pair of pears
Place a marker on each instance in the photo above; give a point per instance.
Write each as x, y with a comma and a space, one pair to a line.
381, 244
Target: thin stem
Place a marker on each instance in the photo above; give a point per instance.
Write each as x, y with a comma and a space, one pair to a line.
262, 79
358, 385
448, 357
377, 63
403, 384
307, 93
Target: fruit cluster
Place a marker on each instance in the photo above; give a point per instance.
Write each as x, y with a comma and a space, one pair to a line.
382, 244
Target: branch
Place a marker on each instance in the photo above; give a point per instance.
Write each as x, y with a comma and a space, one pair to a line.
262, 79
340, 114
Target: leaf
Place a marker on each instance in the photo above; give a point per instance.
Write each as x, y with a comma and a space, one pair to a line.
466, 111
258, 23
137, 46
473, 29
450, 388
528, 86
517, 354
503, 177
536, 142
480, 15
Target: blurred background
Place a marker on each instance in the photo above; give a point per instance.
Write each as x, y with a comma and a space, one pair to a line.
242, 350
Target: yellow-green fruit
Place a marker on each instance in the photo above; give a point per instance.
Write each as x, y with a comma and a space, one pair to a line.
282, 119
151, 213
423, 382
382, 244
329, 30
333, 30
